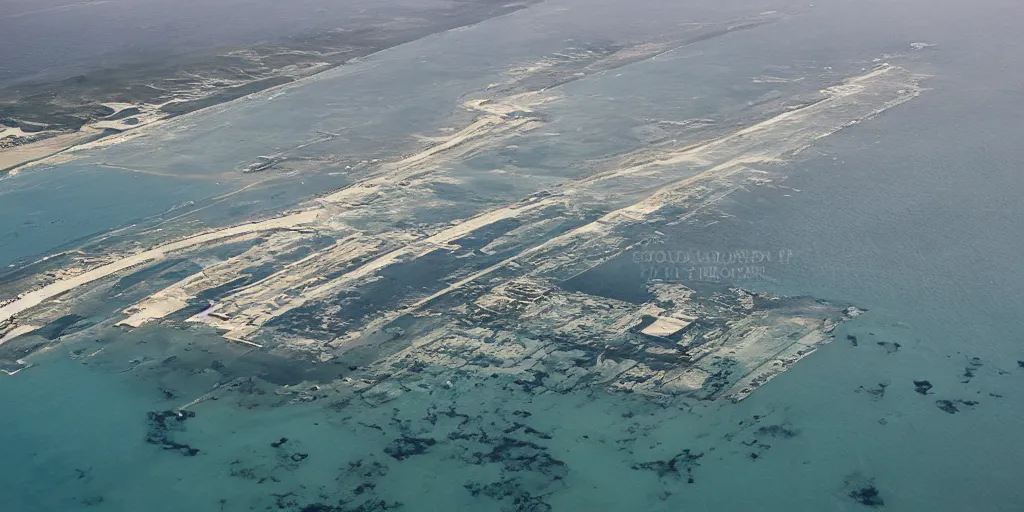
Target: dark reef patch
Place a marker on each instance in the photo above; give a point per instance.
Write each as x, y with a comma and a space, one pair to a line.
950, 406
684, 461
876, 393
862, 490
536, 382
867, 496
160, 426
518, 455
782, 431
891, 347
510, 490
405, 447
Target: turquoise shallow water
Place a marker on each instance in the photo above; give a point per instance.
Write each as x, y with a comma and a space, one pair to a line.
44, 210
913, 215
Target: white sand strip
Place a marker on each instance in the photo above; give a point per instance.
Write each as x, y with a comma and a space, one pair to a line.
37, 297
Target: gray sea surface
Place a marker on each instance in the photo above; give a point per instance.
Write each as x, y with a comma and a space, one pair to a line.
56, 39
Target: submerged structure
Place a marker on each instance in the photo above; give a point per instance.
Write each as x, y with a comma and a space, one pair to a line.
490, 285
